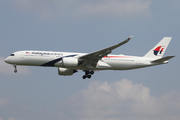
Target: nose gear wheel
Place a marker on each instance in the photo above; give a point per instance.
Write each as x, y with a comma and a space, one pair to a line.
15, 68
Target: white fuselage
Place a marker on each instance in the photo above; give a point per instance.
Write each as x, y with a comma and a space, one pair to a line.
68, 63
55, 59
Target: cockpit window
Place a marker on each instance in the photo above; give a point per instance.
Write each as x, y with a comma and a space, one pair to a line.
12, 55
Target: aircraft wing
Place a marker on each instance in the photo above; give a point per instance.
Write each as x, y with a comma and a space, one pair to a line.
91, 59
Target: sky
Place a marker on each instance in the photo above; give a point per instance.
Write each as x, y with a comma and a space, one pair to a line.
39, 93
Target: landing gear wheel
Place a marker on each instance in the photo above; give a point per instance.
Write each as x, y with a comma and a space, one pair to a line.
89, 76
84, 77
15, 71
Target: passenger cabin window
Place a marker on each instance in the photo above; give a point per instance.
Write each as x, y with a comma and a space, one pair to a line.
12, 55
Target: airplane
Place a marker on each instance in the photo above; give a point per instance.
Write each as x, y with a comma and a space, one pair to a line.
69, 63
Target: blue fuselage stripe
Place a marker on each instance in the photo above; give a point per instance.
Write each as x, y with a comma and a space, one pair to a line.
51, 63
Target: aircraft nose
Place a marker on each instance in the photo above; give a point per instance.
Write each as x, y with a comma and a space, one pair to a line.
7, 60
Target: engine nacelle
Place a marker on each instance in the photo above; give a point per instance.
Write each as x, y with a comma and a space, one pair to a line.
66, 71
70, 62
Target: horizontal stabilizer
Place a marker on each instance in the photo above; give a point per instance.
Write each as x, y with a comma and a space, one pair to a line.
163, 59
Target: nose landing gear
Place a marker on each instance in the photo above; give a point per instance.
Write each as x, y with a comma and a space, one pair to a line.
15, 68
88, 74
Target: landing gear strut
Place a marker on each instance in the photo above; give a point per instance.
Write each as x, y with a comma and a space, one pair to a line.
15, 68
88, 74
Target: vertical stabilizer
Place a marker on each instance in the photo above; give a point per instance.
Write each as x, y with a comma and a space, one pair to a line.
159, 50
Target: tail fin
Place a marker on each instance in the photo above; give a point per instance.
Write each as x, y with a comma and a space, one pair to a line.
158, 51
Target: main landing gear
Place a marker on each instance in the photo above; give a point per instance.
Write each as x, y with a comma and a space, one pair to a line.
88, 74
15, 68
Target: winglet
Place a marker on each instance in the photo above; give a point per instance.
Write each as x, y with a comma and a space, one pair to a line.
130, 37
127, 40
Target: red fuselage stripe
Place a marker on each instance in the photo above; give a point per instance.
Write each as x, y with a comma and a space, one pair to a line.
117, 57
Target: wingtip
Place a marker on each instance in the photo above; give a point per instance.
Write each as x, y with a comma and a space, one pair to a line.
131, 36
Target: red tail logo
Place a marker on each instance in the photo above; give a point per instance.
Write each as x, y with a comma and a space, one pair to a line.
159, 50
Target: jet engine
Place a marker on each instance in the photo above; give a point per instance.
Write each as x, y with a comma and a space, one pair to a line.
70, 62
66, 71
